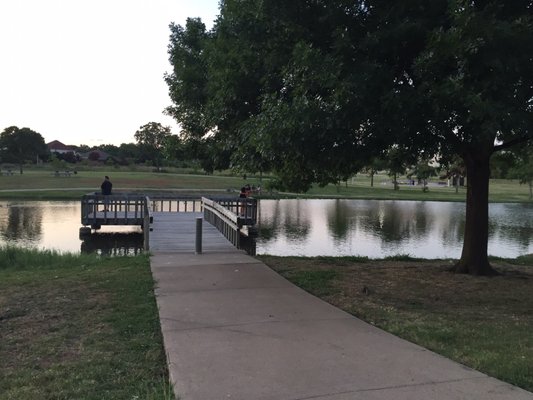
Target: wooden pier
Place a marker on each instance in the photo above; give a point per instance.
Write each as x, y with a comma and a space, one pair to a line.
169, 222
120, 209
176, 233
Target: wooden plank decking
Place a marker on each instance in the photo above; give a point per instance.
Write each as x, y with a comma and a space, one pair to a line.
176, 233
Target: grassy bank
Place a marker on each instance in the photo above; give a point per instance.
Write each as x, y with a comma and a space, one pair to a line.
484, 323
42, 184
79, 327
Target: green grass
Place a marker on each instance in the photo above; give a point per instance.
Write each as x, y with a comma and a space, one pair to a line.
501, 190
317, 282
42, 184
401, 257
484, 323
79, 327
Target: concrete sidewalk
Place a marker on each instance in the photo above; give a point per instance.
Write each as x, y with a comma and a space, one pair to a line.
234, 329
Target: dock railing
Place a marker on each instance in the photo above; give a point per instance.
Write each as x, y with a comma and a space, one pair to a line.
232, 217
117, 209
173, 203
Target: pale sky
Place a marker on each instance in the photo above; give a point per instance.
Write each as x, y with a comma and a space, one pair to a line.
88, 71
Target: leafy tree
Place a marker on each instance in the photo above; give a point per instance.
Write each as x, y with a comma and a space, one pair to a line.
455, 170
523, 169
128, 151
151, 138
110, 149
212, 155
501, 163
68, 157
396, 164
57, 163
188, 80
94, 156
173, 149
376, 164
317, 87
479, 94
20, 145
423, 171
83, 148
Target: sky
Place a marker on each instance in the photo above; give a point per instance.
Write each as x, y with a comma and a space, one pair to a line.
89, 71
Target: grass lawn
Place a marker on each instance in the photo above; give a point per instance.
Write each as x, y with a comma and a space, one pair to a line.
42, 184
484, 323
83, 327
79, 327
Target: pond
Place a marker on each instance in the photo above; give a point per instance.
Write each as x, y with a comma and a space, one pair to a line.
369, 228
55, 225
377, 229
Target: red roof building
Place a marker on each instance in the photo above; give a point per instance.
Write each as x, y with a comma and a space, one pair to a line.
56, 146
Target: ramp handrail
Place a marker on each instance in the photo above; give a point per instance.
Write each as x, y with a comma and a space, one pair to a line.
230, 216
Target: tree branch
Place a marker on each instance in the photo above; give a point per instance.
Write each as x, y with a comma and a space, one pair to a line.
511, 143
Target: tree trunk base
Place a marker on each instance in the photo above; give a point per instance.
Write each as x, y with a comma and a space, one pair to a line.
483, 269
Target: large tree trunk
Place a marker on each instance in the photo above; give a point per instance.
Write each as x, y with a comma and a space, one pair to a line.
474, 258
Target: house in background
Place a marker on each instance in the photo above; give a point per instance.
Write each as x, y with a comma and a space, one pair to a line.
62, 151
56, 146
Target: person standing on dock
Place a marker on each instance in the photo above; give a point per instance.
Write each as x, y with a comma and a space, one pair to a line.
106, 187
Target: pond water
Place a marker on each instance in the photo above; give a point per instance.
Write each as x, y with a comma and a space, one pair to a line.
378, 229
56, 224
369, 228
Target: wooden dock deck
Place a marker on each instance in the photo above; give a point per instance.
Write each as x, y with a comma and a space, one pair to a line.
176, 233
169, 223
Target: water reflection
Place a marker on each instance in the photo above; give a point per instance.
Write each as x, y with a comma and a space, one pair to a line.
510, 222
113, 244
55, 225
381, 228
21, 223
295, 227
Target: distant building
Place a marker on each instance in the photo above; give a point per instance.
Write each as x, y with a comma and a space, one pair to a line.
56, 146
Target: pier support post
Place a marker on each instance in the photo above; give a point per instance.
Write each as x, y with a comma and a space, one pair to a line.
198, 248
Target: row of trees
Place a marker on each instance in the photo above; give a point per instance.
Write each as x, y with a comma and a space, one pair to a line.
154, 144
312, 90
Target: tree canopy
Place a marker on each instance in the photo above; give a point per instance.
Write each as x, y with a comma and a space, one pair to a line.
19, 145
316, 89
151, 138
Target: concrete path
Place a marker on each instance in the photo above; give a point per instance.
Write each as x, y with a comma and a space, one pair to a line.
234, 329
